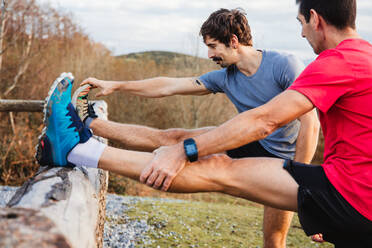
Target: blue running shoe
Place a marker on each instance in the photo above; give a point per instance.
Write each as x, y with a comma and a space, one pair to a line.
64, 129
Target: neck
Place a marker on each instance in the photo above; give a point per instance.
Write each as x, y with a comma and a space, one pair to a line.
249, 60
334, 36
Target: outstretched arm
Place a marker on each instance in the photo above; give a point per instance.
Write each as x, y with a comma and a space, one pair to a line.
152, 87
246, 127
254, 124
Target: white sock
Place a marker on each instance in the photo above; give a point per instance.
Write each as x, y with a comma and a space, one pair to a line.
87, 154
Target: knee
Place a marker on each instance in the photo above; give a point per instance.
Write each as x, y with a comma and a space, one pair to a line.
220, 159
219, 168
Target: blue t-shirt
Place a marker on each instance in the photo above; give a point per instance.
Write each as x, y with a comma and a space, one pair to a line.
275, 74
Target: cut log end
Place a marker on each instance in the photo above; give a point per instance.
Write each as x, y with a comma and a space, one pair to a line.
29, 228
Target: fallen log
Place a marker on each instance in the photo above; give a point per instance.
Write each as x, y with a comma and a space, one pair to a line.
58, 207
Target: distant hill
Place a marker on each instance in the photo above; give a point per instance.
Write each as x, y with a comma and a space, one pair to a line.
167, 58
162, 57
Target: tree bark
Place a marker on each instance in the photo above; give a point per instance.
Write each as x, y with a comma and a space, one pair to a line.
21, 105
39, 231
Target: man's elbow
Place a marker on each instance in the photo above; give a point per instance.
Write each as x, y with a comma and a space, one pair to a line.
268, 128
165, 91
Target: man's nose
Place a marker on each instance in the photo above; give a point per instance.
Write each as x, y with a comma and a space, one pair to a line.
210, 54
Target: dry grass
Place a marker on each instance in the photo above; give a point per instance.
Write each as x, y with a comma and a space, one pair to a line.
69, 49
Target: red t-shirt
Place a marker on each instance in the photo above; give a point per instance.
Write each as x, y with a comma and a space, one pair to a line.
339, 84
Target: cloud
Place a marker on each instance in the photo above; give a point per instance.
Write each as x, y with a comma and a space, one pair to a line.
137, 25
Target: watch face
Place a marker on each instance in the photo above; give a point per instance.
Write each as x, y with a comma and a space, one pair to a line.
190, 149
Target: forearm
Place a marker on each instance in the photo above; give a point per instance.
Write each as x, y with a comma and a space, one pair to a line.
179, 134
307, 139
254, 124
243, 129
152, 87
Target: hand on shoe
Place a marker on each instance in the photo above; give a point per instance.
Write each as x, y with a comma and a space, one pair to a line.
105, 87
317, 238
164, 167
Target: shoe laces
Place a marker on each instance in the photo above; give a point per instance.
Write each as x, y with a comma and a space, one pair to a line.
82, 103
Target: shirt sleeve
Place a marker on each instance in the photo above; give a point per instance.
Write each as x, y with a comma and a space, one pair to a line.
214, 81
325, 80
287, 70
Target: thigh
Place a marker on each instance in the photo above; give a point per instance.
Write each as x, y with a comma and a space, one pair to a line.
262, 180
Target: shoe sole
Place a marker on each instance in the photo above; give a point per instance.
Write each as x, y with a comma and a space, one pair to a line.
38, 148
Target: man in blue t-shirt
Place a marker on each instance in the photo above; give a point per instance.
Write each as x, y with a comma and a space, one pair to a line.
250, 78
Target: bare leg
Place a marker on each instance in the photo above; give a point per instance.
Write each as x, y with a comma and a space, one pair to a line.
261, 180
275, 227
142, 138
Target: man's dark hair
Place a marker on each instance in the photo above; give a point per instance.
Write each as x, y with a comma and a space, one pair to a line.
222, 24
339, 13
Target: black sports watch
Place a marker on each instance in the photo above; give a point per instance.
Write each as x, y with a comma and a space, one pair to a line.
191, 150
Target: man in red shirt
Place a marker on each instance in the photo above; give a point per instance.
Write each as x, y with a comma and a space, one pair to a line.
334, 199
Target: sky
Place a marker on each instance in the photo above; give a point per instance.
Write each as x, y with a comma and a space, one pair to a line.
127, 26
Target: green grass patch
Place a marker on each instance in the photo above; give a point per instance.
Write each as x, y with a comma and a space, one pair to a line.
200, 224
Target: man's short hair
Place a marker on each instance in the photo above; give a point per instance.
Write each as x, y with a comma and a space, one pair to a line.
222, 24
339, 13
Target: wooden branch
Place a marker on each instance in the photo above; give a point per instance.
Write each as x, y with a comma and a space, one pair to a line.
70, 202
7, 105
11, 117
21, 105
25, 62
3, 19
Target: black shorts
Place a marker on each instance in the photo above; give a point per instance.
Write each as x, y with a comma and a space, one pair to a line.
253, 149
321, 209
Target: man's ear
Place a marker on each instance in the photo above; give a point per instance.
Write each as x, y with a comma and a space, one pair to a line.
234, 42
314, 19
318, 23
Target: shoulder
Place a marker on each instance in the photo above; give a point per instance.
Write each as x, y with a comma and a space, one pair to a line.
217, 74
330, 62
331, 55
286, 67
214, 81
284, 59
328, 68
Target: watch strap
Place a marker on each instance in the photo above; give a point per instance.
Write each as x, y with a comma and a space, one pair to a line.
191, 149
